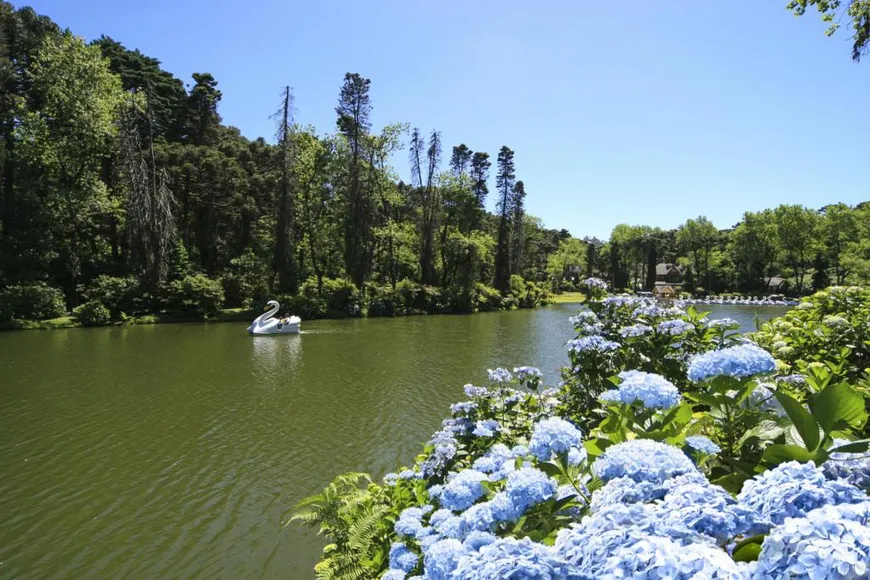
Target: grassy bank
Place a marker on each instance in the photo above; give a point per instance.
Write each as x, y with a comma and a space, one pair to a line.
225, 315
568, 298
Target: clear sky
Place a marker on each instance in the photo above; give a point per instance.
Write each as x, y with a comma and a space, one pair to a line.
641, 112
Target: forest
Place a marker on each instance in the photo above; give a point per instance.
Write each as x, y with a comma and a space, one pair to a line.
123, 193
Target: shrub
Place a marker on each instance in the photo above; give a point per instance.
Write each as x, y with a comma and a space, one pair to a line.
828, 326
340, 295
528, 294
118, 295
195, 293
381, 301
93, 313
629, 468
488, 298
246, 282
31, 301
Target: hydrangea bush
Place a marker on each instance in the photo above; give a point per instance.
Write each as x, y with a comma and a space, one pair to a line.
672, 448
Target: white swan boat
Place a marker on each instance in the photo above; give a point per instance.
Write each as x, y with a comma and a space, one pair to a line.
267, 324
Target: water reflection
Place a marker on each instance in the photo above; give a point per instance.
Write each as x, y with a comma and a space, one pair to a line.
273, 355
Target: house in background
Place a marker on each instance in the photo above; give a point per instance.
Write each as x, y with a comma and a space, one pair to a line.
776, 284
669, 280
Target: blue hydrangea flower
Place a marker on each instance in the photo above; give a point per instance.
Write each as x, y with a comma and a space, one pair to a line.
450, 527
476, 540
652, 390
462, 490
635, 542
634, 330
704, 508
744, 360
441, 558
796, 379
675, 327
594, 283
463, 408
499, 375
829, 542
391, 479
592, 343
576, 456
642, 460
445, 447
702, 444
410, 474
393, 575
553, 436
439, 516
625, 491
509, 558
583, 317
402, 558
793, 489
851, 467
486, 428
528, 486
526, 373
617, 301
589, 329
472, 391
409, 522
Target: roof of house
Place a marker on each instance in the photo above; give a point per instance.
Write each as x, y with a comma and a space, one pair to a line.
668, 269
776, 281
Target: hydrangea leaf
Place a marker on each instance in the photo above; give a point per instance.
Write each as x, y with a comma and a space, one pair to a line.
776, 454
854, 447
801, 419
838, 404
748, 550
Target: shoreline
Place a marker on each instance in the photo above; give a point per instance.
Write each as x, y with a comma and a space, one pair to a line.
227, 315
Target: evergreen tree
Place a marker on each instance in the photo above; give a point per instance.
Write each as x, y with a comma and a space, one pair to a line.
284, 265
504, 183
354, 109
518, 197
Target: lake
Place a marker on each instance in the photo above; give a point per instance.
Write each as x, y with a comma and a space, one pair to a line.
175, 451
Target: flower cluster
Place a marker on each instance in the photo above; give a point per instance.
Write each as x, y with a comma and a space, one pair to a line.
594, 283
642, 460
634, 330
592, 343
851, 467
675, 327
499, 375
552, 437
791, 490
652, 390
702, 444
744, 360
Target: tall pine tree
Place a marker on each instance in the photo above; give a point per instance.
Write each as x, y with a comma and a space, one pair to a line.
354, 109
504, 183
518, 214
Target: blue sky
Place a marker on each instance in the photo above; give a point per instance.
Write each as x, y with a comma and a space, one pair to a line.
649, 113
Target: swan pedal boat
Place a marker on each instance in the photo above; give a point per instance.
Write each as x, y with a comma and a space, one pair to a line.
266, 324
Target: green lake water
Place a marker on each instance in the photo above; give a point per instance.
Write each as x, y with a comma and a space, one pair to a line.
174, 451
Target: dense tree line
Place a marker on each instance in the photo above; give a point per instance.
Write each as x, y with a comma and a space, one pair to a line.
114, 174
807, 249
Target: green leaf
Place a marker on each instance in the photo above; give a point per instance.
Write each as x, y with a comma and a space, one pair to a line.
776, 454
563, 502
596, 447
680, 414
550, 469
766, 431
732, 482
801, 419
838, 404
853, 447
748, 549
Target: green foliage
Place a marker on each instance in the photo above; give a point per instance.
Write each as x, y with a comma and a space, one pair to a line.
93, 313
338, 294
828, 327
246, 281
119, 295
194, 294
858, 12
32, 301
